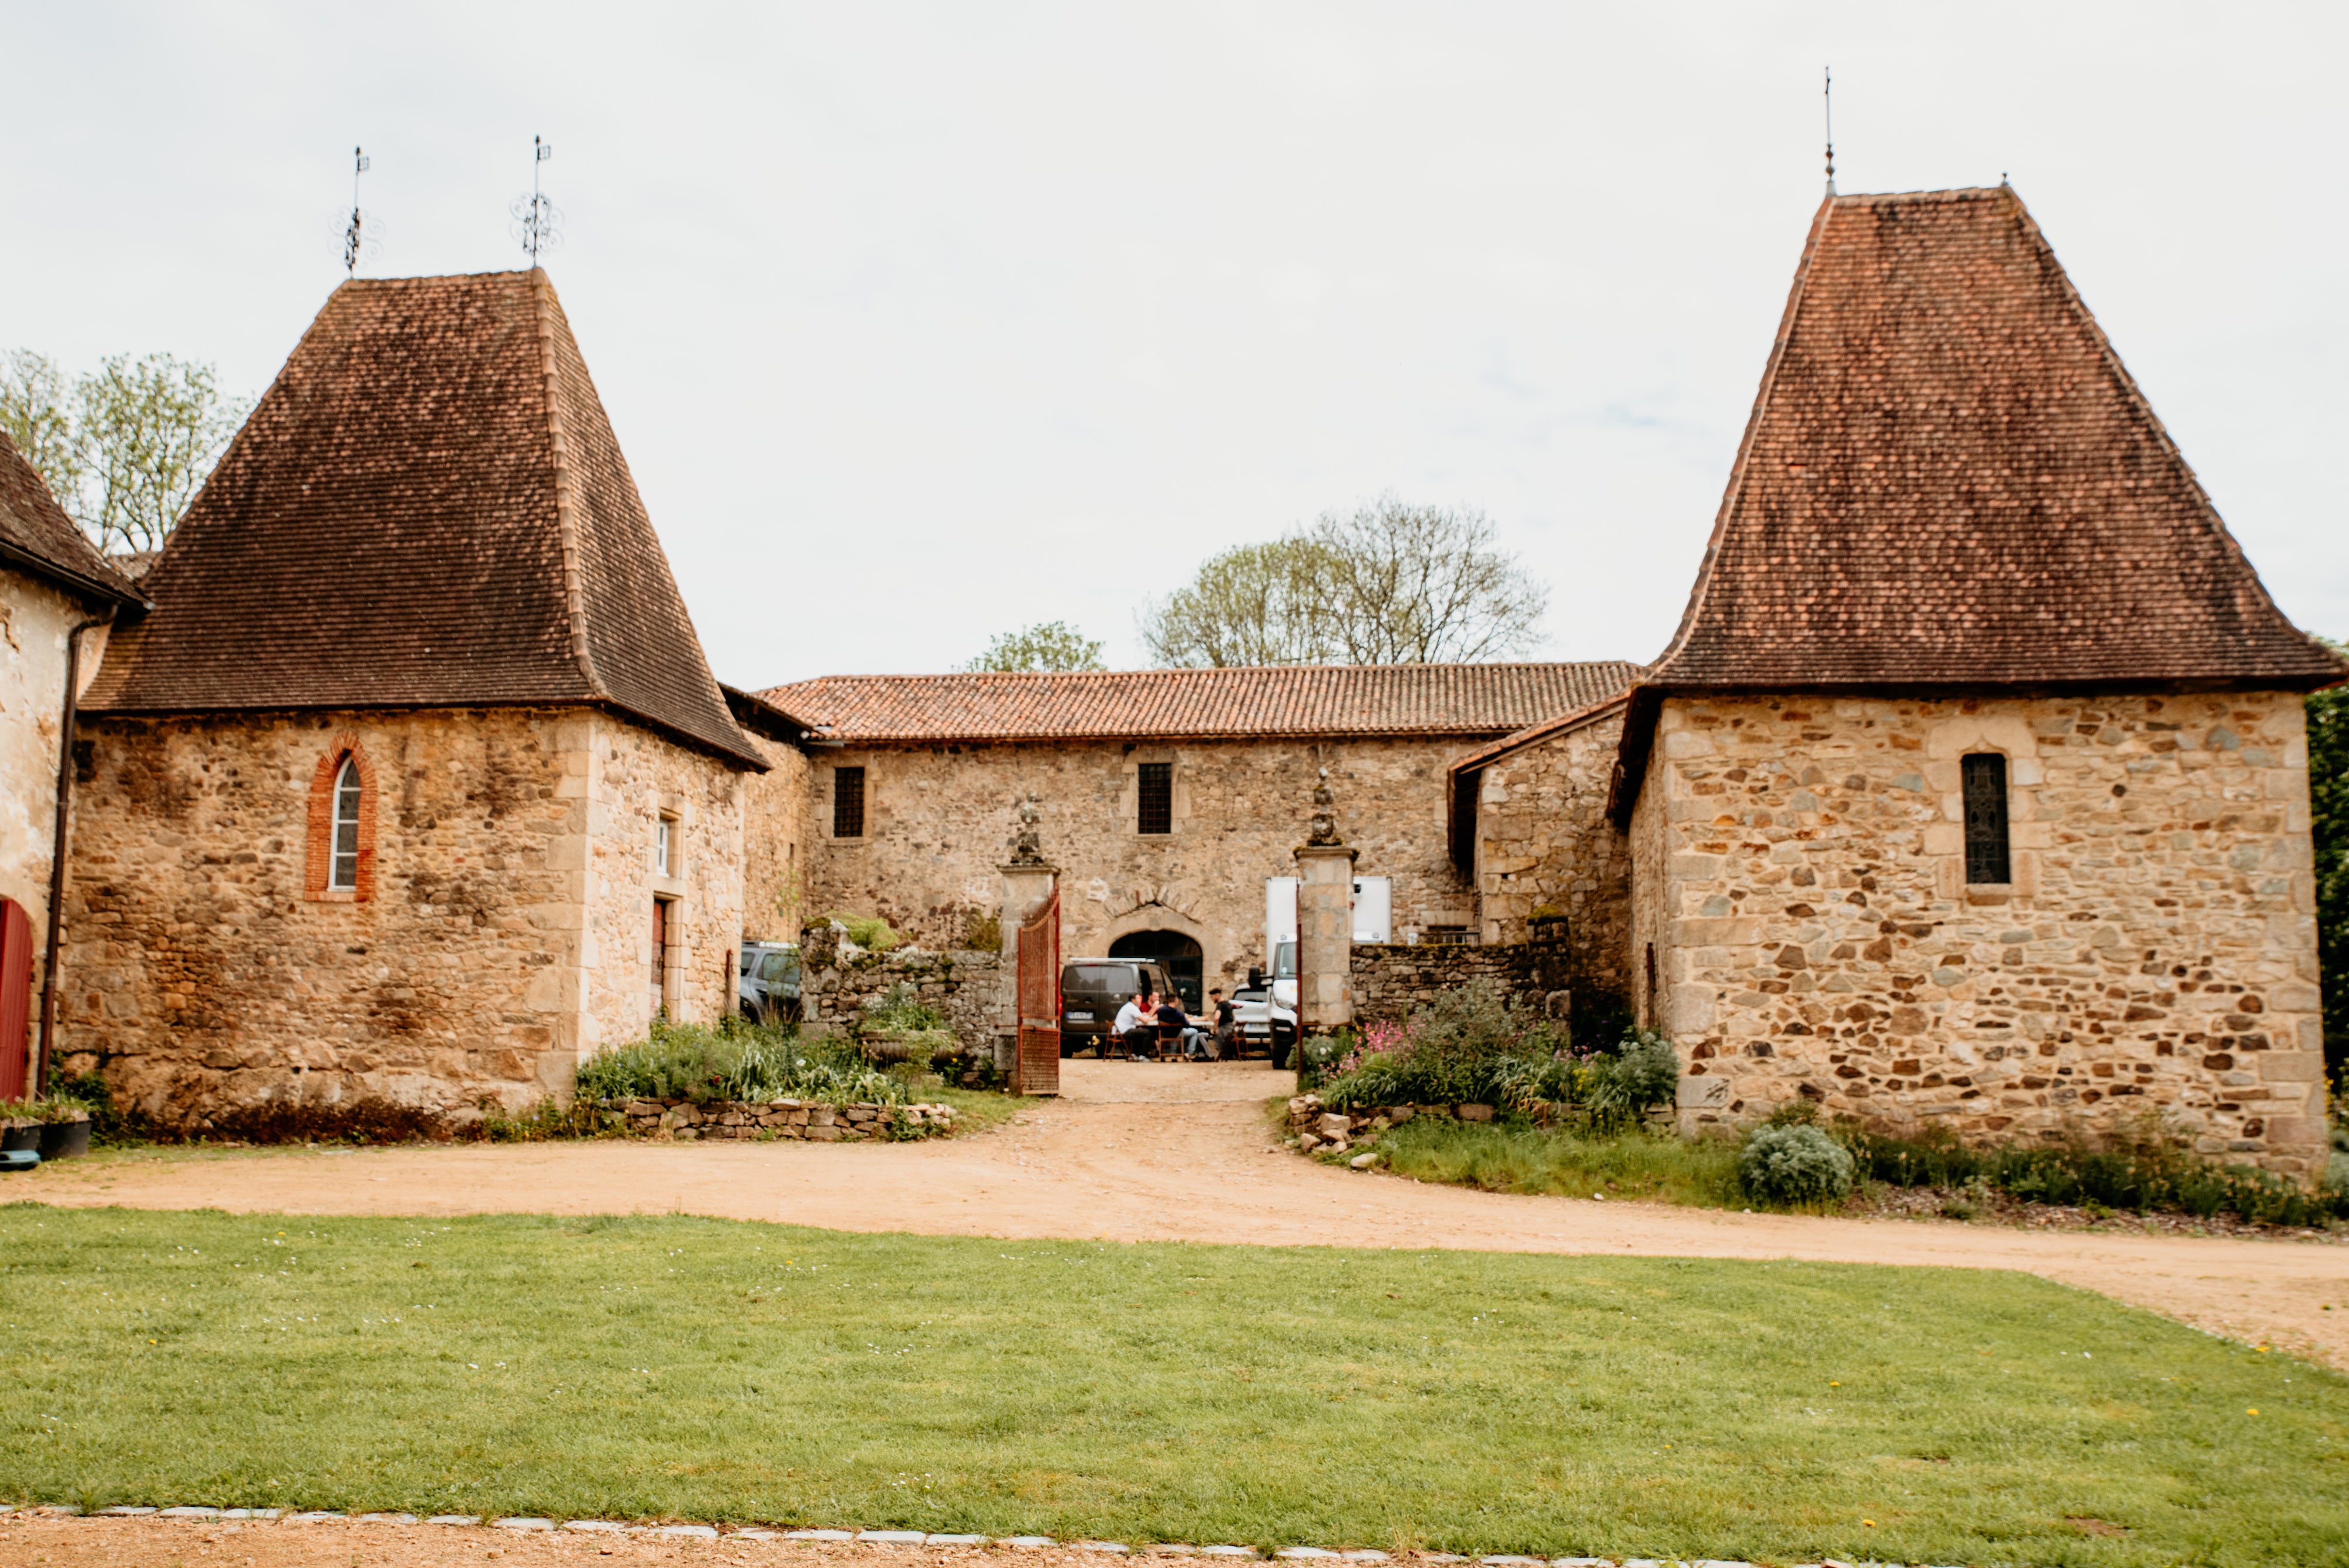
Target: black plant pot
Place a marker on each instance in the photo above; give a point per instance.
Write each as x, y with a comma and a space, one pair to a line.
20, 1135
63, 1140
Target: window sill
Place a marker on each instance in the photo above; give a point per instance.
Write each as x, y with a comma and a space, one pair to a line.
1990, 892
336, 896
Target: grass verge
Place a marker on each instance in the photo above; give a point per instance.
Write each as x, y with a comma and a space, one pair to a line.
676, 1367
1513, 1156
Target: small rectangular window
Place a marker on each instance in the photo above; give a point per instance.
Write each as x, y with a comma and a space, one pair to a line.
1157, 798
1984, 776
848, 803
663, 843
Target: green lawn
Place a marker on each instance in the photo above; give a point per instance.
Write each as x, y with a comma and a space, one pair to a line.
1512, 1156
1474, 1402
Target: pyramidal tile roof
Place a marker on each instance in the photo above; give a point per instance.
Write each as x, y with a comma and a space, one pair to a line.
1287, 701
37, 536
1949, 478
428, 509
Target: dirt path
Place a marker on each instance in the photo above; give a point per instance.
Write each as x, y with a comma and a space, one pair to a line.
1146, 1152
329, 1543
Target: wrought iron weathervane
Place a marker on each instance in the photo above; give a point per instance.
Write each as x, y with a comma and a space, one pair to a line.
363, 236
1827, 94
537, 220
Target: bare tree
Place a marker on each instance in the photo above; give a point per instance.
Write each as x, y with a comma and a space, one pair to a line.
1385, 583
125, 450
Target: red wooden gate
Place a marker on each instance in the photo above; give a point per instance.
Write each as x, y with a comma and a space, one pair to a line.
16, 997
1037, 1070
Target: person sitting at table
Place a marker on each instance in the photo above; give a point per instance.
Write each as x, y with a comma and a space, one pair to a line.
1174, 1029
1227, 1026
1136, 1025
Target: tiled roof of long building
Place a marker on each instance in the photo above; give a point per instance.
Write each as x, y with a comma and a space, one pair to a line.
429, 508
1949, 478
37, 536
1297, 701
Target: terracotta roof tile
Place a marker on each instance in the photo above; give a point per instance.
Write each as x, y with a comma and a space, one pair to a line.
1949, 478
1535, 734
37, 536
1299, 700
428, 509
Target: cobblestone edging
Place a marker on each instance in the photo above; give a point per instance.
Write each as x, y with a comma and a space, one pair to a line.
683, 1121
907, 1537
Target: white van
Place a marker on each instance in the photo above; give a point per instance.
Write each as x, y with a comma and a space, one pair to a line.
1373, 923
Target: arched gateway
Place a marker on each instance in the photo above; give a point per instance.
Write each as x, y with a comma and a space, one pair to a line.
1179, 954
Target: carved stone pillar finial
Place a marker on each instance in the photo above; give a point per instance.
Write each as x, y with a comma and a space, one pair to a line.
1324, 828
1027, 844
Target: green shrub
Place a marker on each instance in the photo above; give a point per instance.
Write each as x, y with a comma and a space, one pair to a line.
1794, 1165
899, 1008
1320, 1056
50, 1107
1644, 1073
870, 932
736, 1061
1457, 1049
1474, 1045
2139, 1168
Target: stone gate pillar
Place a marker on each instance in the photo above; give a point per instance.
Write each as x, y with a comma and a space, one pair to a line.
1325, 921
1027, 882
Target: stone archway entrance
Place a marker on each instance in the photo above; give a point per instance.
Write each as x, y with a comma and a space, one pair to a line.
1181, 954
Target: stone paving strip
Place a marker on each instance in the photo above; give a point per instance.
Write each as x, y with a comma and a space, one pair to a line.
903, 1538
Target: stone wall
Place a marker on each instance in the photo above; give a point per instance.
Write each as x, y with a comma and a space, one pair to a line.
2154, 950
34, 620
836, 992
1392, 980
808, 1120
633, 777
502, 927
1545, 846
938, 824
779, 817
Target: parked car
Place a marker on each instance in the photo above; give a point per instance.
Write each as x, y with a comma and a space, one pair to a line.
770, 983
1093, 990
1264, 1025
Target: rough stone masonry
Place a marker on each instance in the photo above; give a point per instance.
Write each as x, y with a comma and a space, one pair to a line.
1804, 890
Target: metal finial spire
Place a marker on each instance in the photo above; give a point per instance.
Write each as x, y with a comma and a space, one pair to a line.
363, 236
537, 220
1827, 93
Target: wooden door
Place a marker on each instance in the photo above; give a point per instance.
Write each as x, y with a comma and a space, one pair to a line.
1036, 1069
16, 998
660, 954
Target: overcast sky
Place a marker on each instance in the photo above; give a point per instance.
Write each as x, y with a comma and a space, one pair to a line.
918, 322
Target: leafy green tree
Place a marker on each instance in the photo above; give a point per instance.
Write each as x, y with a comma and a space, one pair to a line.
37, 411
1052, 647
125, 449
2328, 796
1387, 583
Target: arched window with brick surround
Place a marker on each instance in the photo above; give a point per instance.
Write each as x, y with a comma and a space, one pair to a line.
342, 824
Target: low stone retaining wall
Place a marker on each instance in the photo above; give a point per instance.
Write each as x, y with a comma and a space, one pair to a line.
684, 1121
1314, 1125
